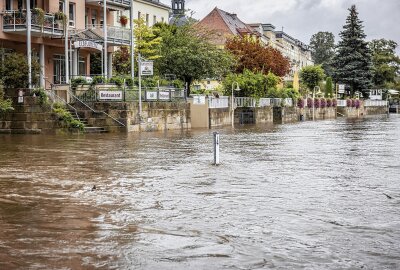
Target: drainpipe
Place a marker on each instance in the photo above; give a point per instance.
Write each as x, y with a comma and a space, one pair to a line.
105, 38
29, 41
132, 42
66, 10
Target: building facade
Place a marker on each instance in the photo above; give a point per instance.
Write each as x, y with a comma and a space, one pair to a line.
225, 25
63, 44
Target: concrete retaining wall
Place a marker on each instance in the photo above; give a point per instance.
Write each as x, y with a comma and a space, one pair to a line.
220, 117
28, 117
156, 116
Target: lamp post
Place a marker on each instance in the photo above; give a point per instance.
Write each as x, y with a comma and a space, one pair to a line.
232, 98
313, 101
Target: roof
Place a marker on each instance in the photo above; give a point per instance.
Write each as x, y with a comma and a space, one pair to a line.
157, 3
235, 25
224, 24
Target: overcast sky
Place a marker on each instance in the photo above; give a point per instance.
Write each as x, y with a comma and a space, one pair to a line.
302, 18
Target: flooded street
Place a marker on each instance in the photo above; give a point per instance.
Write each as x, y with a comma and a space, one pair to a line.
322, 195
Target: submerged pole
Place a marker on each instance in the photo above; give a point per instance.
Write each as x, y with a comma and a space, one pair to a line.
216, 148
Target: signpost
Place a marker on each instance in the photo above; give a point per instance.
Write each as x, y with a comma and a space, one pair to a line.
145, 69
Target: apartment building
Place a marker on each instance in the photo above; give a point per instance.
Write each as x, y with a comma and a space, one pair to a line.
63, 44
298, 53
226, 25
152, 11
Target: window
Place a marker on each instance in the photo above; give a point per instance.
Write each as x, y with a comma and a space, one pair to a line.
154, 19
147, 19
59, 69
72, 14
22, 4
61, 6
94, 17
162, 19
9, 5
139, 15
82, 67
86, 17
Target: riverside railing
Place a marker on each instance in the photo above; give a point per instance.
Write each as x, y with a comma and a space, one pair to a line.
221, 102
108, 94
375, 103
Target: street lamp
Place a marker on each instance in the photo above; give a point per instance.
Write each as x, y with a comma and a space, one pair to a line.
313, 101
232, 108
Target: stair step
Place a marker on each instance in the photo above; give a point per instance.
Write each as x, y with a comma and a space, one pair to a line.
94, 130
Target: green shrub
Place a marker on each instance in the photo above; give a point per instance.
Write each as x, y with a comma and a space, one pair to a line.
99, 79
66, 117
5, 104
119, 81
14, 71
77, 81
41, 95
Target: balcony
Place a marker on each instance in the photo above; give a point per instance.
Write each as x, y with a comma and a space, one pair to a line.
15, 22
116, 36
118, 4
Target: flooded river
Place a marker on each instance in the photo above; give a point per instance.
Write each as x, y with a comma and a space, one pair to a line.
323, 195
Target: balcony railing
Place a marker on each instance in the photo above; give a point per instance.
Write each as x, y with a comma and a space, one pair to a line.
115, 35
117, 3
15, 21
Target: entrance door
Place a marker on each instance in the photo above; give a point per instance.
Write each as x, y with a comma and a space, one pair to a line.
59, 69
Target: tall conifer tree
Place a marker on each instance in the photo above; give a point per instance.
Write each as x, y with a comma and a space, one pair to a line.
353, 62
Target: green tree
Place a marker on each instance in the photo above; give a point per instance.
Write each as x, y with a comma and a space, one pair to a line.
322, 46
14, 71
329, 87
122, 61
386, 63
311, 76
148, 41
187, 54
353, 62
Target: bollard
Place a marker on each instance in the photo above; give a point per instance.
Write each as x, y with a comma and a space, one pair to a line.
216, 148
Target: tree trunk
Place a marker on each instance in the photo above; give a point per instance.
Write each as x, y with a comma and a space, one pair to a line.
188, 83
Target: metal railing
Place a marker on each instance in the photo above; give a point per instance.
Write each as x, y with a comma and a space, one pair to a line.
245, 102
341, 103
121, 3
221, 102
375, 103
15, 20
115, 34
122, 94
264, 102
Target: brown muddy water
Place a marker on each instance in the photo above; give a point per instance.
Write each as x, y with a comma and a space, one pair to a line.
300, 196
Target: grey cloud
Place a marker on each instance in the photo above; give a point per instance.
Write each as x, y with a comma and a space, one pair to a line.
303, 18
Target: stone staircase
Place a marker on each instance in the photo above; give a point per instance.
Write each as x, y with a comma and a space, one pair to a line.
88, 128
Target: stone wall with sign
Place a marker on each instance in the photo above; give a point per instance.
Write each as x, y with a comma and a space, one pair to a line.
156, 116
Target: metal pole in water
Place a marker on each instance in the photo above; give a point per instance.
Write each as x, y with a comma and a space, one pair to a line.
216, 148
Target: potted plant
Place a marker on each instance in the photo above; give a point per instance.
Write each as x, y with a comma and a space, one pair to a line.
123, 20
61, 18
38, 16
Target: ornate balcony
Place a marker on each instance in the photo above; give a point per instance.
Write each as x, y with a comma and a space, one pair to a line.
15, 22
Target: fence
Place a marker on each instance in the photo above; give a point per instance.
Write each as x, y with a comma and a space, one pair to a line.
246, 102
341, 103
221, 102
375, 103
126, 95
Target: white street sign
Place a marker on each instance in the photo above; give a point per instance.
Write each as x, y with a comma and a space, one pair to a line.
151, 95
164, 95
146, 68
199, 100
341, 88
110, 95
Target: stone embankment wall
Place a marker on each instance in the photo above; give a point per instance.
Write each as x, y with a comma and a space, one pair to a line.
28, 117
156, 116
219, 117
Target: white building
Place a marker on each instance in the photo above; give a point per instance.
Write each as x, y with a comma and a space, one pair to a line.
152, 11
